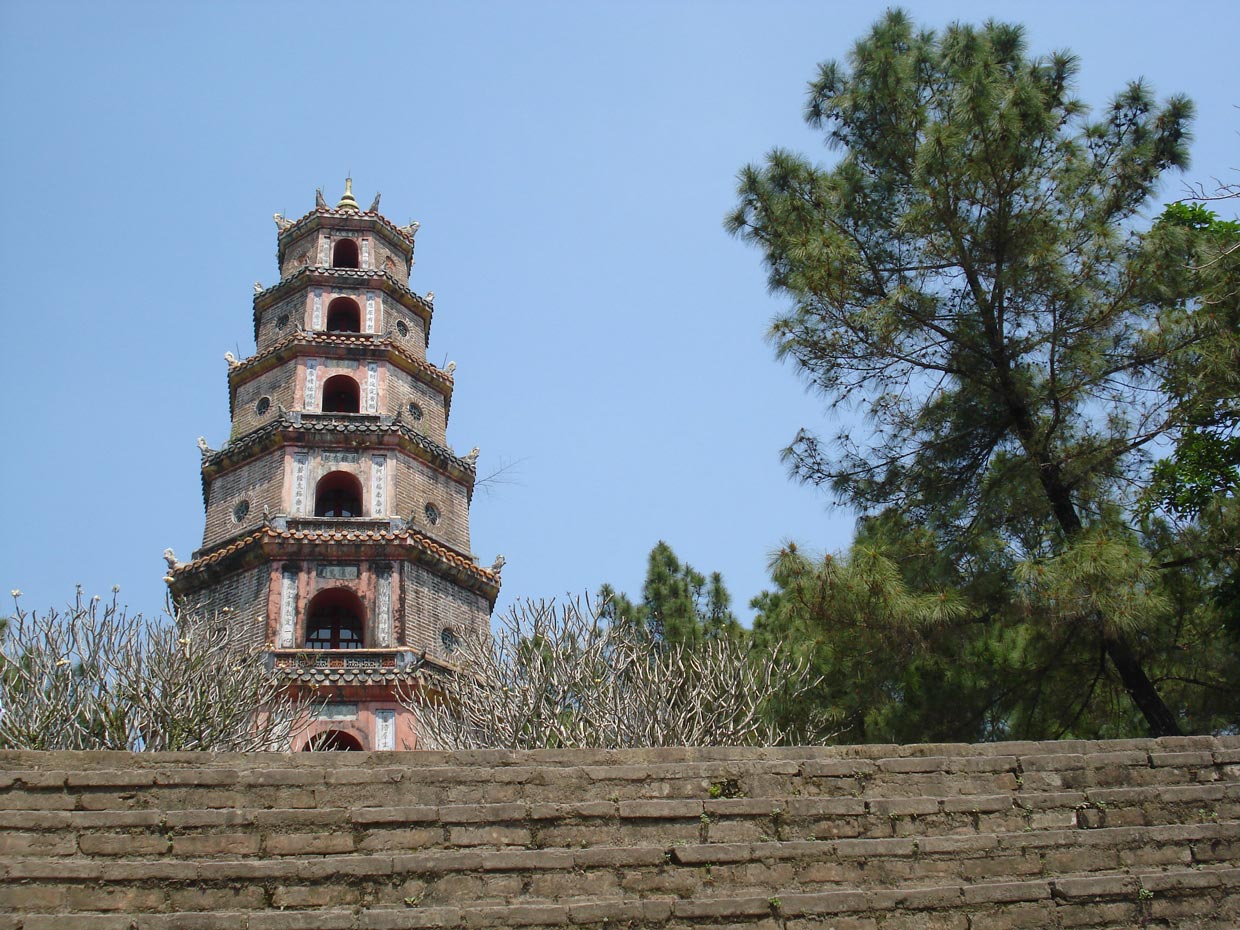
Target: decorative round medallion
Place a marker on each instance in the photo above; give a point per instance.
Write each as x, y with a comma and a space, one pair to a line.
282, 321
451, 642
432, 514
262, 405
415, 411
240, 511
402, 327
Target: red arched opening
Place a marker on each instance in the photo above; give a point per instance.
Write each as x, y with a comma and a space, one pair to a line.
341, 394
344, 254
344, 316
334, 620
332, 741
338, 494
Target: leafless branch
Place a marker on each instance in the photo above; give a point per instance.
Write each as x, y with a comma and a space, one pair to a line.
94, 677
558, 676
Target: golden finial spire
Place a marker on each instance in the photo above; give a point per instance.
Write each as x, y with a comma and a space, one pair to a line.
347, 202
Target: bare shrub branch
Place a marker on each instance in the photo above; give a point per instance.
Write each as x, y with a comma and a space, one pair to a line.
560, 677
95, 677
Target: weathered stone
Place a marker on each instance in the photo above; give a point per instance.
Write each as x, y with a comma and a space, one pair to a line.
667, 855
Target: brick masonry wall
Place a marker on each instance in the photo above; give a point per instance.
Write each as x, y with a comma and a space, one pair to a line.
301, 252
385, 257
259, 481
402, 389
241, 598
431, 604
1136, 833
414, 341
270, 329
418, 484
306, 250
279, 387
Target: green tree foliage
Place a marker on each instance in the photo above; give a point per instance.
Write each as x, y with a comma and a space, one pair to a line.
1194, 487
1204, 380
969, 275
679, 604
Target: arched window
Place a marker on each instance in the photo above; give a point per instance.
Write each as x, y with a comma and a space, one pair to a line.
338, 494
332, 741
344, 316
334, 620
344, 254
341, 394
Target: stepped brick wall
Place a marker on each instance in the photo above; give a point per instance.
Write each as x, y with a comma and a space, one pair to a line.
1134, 833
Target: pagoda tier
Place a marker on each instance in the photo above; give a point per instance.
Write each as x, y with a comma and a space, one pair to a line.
302, 301
337, 516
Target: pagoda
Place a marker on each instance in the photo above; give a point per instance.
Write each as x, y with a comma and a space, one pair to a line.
337, 516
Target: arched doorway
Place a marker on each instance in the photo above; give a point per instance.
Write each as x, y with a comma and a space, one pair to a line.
341, 394
344, 316
344, 254
335, 619
338, 494
332, 741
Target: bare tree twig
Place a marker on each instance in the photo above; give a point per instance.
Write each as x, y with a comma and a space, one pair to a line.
94, 677
560, 677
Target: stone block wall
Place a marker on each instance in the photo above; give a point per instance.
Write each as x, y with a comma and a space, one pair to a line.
1137, 833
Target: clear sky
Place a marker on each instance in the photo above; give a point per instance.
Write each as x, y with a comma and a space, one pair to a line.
570, 164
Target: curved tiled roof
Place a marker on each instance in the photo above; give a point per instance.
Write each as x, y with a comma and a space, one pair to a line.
341, 424
317, 676
418, 540
358, 274
237, 545
292, 230
345, 340
311, 675
411, 537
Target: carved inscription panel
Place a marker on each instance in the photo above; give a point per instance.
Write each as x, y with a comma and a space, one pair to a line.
383, 607
312, 385
301, 464
288, 609
385, 729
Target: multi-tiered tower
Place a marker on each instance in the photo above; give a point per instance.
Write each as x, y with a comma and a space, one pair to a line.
337, 528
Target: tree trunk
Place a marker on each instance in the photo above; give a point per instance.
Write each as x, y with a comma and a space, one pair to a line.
1144, 694
1139, 687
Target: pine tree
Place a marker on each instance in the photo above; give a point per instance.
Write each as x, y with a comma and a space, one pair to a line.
679, 604
969, 275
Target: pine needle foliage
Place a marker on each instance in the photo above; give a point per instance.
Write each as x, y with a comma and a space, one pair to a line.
971, 275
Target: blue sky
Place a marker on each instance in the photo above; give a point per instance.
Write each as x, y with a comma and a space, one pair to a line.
570, 164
